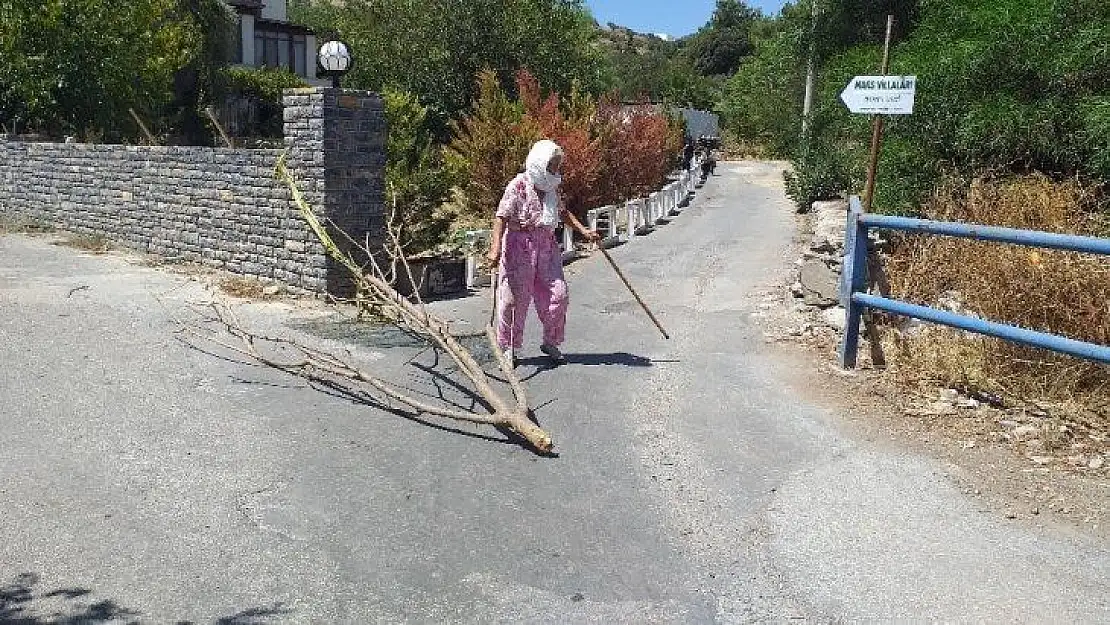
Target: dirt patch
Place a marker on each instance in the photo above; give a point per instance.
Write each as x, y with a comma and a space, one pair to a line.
1028, 466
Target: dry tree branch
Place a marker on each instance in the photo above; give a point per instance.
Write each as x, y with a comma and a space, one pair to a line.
375, 288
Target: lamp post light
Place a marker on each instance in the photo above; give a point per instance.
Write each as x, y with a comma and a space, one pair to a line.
335, 58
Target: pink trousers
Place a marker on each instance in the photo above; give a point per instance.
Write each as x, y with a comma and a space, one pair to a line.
531, 269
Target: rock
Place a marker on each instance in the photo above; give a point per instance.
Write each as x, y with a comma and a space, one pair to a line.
828, 259
821, 284
836, 318
967, 403
272, 290
949, 395
1042, 460
941, 409
1096, 463
1025, 432
797, 290
830, 220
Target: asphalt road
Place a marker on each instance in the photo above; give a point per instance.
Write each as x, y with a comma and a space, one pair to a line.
143, 480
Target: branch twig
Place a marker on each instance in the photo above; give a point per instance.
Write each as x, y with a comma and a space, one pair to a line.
374, 285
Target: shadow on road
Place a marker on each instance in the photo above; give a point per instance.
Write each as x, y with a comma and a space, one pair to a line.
442, 388
620, 359
21, 603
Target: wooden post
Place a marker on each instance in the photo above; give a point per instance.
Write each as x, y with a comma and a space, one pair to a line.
811, 73
216, 122
877, 124
142, 126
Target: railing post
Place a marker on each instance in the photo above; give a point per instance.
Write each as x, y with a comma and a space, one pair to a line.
633, 214
853, 280
613, 232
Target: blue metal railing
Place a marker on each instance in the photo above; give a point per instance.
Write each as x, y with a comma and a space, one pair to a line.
853, 285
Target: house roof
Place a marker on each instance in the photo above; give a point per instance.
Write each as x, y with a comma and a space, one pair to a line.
252, 5
284, 27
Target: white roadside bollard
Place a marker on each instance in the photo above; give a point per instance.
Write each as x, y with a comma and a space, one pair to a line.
569, 253
633, 211
476, 241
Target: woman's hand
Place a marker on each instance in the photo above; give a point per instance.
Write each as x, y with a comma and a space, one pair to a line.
493, 256
591, 235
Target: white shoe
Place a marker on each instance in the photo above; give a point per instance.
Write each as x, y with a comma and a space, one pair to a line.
510, 355
553, 353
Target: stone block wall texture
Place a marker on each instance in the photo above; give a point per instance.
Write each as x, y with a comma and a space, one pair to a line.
336, 139
220, 207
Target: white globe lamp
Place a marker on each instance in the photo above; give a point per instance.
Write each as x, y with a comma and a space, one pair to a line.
335, 59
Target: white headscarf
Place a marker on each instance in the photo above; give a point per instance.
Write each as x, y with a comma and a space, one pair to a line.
536, 169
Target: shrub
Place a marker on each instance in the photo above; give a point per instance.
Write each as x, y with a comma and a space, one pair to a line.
489, 147
1058, 292
761, 103
265, 83
821, 174
417, 181
251, 100
582, 153
613, 152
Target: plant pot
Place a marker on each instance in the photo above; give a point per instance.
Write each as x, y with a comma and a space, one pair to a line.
434, 278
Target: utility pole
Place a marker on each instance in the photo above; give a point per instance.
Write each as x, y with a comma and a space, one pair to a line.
811, 72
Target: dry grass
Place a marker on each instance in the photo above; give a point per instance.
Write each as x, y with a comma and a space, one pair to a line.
245, 288
19, 225
1059, 292
94, 243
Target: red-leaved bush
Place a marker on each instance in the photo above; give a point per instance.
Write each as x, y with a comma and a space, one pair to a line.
612, 152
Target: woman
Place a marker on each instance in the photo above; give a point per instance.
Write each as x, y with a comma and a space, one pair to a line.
530, 263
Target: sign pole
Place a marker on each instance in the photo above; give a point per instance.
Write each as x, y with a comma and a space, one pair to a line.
877, 124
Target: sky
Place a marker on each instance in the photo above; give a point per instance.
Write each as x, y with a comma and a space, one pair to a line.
670, 17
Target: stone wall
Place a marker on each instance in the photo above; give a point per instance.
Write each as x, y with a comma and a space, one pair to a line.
337, 150
220, 207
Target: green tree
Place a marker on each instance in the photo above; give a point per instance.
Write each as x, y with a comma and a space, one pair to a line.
762, 102
1013, 85
76, 66
435, 49
718, 48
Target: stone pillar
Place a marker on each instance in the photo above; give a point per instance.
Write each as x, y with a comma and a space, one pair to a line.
337, 153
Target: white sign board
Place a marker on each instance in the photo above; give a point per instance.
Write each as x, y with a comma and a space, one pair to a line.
880, 95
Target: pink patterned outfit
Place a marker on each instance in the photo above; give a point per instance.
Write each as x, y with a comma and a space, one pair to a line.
531, 268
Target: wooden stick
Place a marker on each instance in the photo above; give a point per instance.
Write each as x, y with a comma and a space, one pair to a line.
633, 291
142, 126
216, 122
